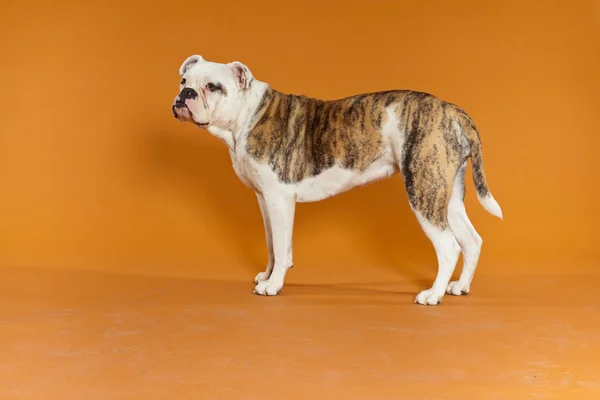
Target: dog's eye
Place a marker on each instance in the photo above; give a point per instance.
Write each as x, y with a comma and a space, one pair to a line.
183, 81
212, 87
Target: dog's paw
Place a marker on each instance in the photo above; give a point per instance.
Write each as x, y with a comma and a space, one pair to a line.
270, 287
261, 277
457, 288
428, 298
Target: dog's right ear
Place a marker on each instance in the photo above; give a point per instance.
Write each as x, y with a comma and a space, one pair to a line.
191, 60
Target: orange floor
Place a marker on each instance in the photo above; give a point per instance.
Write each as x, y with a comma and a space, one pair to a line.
342, 335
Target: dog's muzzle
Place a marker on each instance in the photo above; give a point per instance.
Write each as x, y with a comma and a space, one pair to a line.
186, 94
180, 108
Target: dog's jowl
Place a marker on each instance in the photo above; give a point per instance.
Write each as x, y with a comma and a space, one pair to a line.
292, 149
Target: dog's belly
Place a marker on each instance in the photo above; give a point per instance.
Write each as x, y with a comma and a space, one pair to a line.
337, 180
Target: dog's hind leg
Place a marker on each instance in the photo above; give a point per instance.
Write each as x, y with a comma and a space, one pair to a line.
447, 251
429, 161
466, 235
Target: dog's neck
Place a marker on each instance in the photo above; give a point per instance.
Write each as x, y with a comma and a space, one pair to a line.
252, 101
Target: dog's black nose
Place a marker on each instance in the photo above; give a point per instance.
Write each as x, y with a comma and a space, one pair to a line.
188, 93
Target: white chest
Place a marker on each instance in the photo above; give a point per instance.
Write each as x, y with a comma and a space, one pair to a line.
243, 169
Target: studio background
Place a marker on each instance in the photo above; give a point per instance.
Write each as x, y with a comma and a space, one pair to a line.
96, 174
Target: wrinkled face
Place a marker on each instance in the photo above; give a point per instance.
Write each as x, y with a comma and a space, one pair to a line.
211, 94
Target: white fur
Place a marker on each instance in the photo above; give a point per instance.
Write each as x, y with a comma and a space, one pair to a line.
226, 115
280, 208
263, 276
466, 235
191, 60
490, 205
228, 118
447, 251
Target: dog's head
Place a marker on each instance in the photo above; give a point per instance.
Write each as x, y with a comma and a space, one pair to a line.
211, 94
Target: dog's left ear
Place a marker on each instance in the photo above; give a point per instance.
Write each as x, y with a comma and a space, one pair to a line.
242, 73
191, 60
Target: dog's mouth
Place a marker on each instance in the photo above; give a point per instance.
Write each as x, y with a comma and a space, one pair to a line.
202, 125
183, 114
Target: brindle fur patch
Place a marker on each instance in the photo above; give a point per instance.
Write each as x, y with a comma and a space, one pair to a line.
431, 154
300, 137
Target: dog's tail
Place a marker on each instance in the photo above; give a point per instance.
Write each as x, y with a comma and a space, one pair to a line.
484, 195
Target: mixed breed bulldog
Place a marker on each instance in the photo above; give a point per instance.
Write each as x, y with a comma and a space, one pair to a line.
290, 148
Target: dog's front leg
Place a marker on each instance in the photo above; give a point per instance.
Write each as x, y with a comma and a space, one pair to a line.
263, 276
280, 210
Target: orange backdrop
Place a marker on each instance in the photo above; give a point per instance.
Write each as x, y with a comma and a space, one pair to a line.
97, 174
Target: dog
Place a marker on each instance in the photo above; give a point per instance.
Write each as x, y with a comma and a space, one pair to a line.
292, 148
